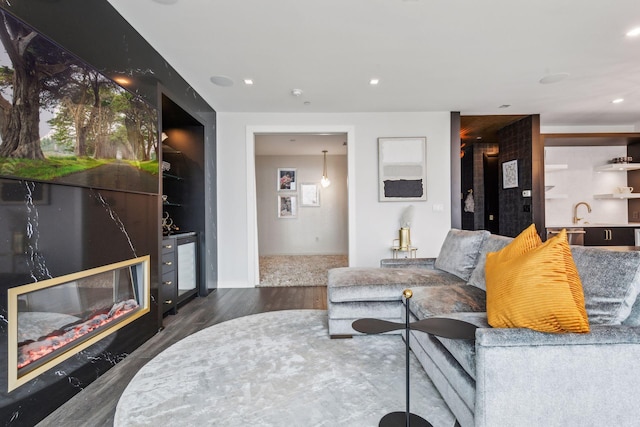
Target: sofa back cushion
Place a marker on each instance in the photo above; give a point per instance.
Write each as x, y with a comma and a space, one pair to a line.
610, 281
459, 252
492, 243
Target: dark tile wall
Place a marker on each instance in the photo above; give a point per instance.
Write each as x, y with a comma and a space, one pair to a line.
633, 179
478, 179
516, 211
468, 172
80, 228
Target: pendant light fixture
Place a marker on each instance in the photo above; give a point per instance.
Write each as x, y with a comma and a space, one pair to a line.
325, 182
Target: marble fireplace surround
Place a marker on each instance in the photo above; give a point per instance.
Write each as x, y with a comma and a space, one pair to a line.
78, 228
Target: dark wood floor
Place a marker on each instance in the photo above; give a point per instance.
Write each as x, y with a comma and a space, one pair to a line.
96, 405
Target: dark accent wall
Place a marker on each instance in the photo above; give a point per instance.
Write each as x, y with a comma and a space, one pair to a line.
74, 228
456, 190
479, 149
633, 180
467, 172
521, 141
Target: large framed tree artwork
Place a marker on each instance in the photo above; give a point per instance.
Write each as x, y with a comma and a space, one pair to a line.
62, 121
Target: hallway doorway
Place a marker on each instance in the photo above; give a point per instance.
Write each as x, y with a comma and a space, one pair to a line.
491, 198
302, 227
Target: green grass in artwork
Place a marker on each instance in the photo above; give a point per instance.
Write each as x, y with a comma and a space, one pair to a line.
48, 169
150, 166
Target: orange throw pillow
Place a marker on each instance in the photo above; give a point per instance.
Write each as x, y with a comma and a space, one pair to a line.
521, 244
535, 287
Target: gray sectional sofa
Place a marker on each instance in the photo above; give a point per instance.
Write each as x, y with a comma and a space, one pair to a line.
509, 377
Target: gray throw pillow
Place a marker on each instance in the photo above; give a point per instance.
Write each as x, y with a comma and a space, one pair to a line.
459, 252
492, 243
610, 282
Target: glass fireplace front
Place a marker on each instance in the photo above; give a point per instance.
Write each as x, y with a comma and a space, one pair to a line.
52, 320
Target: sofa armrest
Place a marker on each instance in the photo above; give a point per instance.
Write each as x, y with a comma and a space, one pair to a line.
557, 379
516, 337
408, 263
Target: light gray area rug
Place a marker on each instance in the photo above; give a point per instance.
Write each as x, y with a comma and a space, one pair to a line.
298, 270
278, 369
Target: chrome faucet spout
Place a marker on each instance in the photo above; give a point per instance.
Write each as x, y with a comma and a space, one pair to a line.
576, 219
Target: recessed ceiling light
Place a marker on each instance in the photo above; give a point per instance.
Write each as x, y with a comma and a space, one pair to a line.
307, 102
553, 78
634, 32
296, 92
221, 81
248, 82
617, 101
374, 82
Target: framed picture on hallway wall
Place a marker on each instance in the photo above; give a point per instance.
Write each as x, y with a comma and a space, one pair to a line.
309, 195
287, 207
287, 179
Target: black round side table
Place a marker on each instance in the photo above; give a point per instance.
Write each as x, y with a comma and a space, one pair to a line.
439, 326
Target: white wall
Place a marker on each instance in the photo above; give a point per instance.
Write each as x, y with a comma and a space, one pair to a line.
372, 224
316, 230
579, 182
589, 129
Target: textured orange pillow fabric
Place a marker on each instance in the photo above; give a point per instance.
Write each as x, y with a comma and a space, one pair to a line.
522, 244
539, 289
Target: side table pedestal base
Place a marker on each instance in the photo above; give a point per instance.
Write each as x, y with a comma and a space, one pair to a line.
399, 419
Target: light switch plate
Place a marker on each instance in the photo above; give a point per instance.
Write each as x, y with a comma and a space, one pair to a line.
526, 193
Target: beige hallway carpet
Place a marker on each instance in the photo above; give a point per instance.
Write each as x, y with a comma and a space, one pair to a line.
298, 270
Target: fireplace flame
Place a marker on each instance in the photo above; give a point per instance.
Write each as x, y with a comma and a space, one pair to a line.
29, 352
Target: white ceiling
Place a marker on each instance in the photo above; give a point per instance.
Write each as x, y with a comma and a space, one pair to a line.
470, 56
278, 144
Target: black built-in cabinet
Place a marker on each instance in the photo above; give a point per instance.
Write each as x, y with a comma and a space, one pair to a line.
609, 236
182, 205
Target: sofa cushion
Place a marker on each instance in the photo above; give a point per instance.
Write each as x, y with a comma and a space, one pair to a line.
460, 302
347, 284
459, 252
492, 243
446, 299
539, 289
611, 282
464, 351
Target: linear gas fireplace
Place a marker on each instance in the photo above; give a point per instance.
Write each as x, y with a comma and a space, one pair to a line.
51, 320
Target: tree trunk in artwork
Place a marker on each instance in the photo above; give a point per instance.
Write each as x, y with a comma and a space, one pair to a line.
23, 134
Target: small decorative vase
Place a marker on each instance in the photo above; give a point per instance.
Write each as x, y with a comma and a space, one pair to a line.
405, 238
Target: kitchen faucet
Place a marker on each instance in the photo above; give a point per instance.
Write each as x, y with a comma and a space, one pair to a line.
575, 211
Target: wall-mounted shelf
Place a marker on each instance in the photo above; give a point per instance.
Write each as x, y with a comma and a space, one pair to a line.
618, 167
617, 196
171, 176
555, 167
